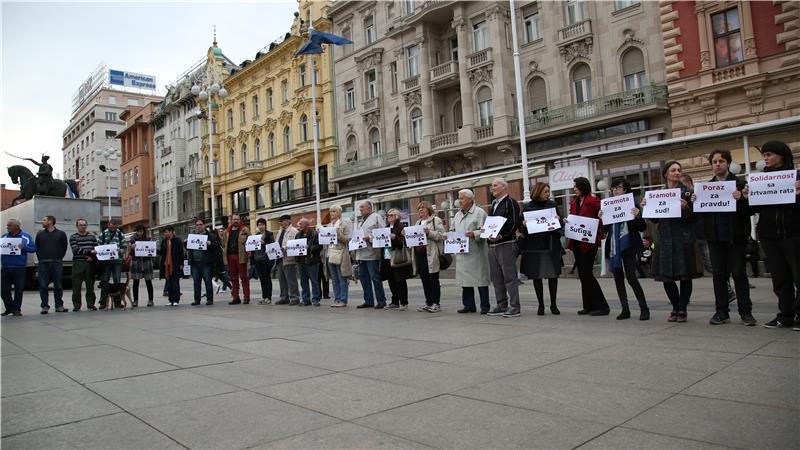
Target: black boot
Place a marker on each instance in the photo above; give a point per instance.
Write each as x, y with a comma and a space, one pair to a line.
644, 314
540, 311
554, 308
625, 314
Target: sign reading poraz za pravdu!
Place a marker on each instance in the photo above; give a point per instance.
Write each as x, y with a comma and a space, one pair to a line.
716, 196
131, 79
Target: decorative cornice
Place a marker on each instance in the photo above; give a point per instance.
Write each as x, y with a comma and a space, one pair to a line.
373, 119
582, 49
413, 98
369, 59
481, 74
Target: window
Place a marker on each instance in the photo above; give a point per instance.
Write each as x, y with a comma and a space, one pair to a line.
135, 175
396, 135
133, 102
349, 96
727, 37
352, 149
92, 136
242, 113
369, 30
622, 4
231, 161
308, 183
416, 126
137, 204
240, 201
390, 10
261, 195
347, 34
110, 134
575, 11
302, 75
230, 119
633, 68
582, 83
393, 75
480, 36
255, 106
287, 140
258, 149
111, 117
371, 79
412, 59
323, 179
410, 5
537, 94
375, 142
206, 170
271, 143
269, 99
458, 119
244, 155
303, 128
533, 27
281, 190
112, 100
454, 50
216, 168
285, 91
484, 106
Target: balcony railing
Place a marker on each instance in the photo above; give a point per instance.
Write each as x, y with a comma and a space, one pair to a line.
443, 140
411, 83
362, 165
190, 179
480, 58
652, 95
484, 132
413, 150
575, 31
277, 159
305, 193
372, 104
253, 165
443, 71
728, 73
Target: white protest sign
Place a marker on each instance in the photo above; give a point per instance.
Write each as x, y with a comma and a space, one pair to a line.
564, 177
297, 247
541, 220
715, 196
415, 236
381, 237
274, 251
327, 236
583, 229
617, 209
356, 241
662, 204
10, 246
106, 252
253, 243
197, 242
772, 188
456, 242
492, 225
144, 249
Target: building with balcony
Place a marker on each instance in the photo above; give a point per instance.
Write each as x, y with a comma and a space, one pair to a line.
266, 152
426, 100
136, 145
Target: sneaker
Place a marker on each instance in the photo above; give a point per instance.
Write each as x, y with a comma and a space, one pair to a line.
265, 301
720, 318
149, 305
682, 316
496, 312
434, 308
17, 313
380, 306
195, 303
673, 316
794, 328
364, 305
6, 313
338, 304
424, 308
748, 320
211, 303
512, 313
94, 308
775, 323
315, 303
392, 306
402, 308
73, 309
44, 311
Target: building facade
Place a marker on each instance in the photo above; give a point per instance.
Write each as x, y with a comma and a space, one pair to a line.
265, 158
426, 98
136, 144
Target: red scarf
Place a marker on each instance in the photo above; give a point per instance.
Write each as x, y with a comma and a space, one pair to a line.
168, 260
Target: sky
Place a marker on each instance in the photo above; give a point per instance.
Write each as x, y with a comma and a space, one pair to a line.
49, 48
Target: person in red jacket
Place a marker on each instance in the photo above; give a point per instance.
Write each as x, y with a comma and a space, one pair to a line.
587, 205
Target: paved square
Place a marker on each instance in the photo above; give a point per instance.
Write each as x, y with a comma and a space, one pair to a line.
249, 376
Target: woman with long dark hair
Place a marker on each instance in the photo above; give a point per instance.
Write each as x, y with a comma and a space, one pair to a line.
141, 266
542, 252
677, 257
587, 205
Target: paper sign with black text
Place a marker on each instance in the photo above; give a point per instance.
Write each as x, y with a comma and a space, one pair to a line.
327, 236
583, 229
144, 249
357, 241
617, 209
274, 251
253, 243
297, 247
10, 246
197, 242
456, 242
106, 252
715, 196
492, 226
662, 204
381, 237
415, 236
772, 188
541, 220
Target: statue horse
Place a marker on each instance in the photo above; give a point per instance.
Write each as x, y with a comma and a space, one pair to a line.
26, 180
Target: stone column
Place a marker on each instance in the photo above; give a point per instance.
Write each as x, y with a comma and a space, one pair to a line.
467, 100
426, 92
502, 108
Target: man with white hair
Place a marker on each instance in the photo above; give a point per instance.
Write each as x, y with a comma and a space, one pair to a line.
369, 259
13, 267
472, 268
503, 252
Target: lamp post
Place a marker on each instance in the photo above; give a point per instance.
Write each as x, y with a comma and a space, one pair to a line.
207, 86
526, 182
109, 154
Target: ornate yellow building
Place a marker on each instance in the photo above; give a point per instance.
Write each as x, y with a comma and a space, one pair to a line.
264, 143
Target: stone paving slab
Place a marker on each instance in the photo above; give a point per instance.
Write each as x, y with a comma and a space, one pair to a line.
343, 435
26, 373
258, 372
101, 362
626, 438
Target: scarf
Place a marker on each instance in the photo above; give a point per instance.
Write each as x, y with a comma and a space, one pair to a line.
620, 243
168, 259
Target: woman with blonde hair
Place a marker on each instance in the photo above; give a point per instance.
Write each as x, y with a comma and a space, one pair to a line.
425, 258
338, 257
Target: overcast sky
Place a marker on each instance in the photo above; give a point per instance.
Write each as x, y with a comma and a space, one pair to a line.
50, 48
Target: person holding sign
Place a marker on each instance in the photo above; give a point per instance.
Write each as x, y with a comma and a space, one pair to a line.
399, 268
779, 231
203, 263
369, 259
677, 257
339, 265
425, 259
286, 267
726, 234
503, 252
262, 262
472, 268
51, 246
233, 242
141, 266
542, 252
82, 243
309, 264
12, 267
171, 267
587, 205
623, 244
112, 272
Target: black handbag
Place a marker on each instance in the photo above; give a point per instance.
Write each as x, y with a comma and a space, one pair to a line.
400, 257
445, 259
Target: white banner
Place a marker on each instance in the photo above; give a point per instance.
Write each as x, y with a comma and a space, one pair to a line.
144, 249
617, 209
541, 220
274, 251
457, 242
662, 204
583, 229
357, 241
415, 236
327, 236
197, 242
715, 196
564, 177
253, 243
297, 247
772, 188
492, 225
10, 246
106, 252
381, 237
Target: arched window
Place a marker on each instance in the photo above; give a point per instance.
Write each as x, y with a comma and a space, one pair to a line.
287, 140
303, 128
582, 83
633, 68
484, 106
458, 119
258, 149
231, 160
375, 142
537, 94
416, 126
397, 135
271, 144
352, 149
244, 155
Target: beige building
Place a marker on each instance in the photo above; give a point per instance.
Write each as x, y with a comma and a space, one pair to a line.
426, 101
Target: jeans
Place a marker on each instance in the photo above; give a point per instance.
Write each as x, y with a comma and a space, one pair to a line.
783, 264
309, 273
12, 276
728, 259
503, 273
592, 294
265, 278
51, 272
287, 277
201, 273
82, 273
430, 281
339, 282
628, 271
111, 272
173, 288
468, 298
369, 275
238, 272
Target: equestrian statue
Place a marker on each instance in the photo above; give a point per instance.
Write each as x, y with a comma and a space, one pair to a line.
42, 183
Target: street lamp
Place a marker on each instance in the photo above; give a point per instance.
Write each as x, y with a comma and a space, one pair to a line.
110, 154
206, 86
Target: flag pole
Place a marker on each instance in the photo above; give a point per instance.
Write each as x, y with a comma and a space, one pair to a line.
314, 123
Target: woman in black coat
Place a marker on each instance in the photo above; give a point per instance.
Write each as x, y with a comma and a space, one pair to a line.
542, 252
623, 244
171, 267
397, 275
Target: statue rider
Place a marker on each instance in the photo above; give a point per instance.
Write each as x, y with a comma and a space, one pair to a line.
44, 180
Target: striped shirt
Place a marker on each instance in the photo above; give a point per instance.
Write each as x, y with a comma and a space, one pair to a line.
82, 245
